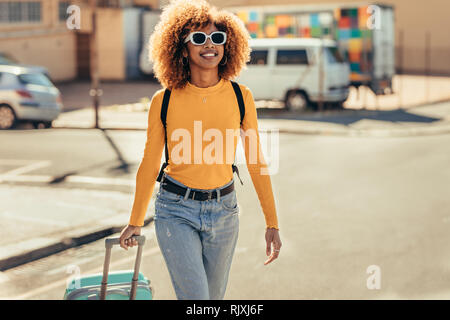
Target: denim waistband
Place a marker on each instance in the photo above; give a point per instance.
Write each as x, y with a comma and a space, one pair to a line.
166, 176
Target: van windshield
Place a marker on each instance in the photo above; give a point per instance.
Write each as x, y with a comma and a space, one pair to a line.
333, 55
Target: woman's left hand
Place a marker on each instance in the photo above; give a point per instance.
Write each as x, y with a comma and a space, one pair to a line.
272, 237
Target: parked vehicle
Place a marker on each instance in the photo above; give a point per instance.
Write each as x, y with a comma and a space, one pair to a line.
364, 32
6, 59
300, 72
27, 95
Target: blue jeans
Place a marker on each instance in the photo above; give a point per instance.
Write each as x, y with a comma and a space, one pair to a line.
197, 240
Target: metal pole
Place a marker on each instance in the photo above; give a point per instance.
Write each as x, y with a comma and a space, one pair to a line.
427, 66
400, 68
94, 92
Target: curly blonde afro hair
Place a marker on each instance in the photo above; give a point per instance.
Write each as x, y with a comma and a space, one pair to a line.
177, 20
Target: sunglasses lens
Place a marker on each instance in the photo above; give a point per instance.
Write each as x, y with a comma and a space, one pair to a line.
198, 38
217, 38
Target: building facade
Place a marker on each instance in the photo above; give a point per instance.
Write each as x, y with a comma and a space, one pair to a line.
36, 32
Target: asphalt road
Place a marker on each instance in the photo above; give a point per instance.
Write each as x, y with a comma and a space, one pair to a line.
346, 205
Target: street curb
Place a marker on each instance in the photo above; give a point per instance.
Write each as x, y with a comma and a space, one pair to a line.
63, 244
388, 132
380, 133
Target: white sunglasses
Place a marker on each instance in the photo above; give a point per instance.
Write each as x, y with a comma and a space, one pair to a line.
199, 37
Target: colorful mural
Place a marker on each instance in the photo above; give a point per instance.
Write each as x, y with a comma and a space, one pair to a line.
355, 40
348, 26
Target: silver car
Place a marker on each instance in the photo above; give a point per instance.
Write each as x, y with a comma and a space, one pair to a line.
27, 95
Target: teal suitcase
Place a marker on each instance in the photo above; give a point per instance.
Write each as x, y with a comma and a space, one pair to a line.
119, 285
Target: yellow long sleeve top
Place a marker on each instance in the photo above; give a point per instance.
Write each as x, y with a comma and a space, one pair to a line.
203, 115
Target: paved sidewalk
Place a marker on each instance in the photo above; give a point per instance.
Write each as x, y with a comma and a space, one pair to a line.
48, 234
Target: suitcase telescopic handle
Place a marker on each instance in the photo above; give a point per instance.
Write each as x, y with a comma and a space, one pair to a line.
109, 243
115, 241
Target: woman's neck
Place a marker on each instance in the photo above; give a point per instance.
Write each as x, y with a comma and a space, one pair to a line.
204, 80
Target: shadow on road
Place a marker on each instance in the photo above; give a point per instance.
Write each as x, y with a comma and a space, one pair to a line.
346, 116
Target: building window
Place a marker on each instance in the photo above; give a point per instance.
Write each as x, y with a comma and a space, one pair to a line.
63, 5
3, 12
292, 57
19, 12
258, 57
34, 11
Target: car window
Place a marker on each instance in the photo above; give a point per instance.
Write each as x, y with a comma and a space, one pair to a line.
35, 78
6, 59
7, 79
292, 57
258, 57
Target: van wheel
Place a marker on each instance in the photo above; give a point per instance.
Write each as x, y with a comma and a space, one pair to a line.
296, 101
8, 118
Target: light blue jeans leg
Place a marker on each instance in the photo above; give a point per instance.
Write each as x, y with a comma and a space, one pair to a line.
219, 242
197, 240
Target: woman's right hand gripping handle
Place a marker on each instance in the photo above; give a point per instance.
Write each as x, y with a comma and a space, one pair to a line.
126, 234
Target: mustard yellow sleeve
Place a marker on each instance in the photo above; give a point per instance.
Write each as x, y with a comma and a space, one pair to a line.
151, 161
256, 163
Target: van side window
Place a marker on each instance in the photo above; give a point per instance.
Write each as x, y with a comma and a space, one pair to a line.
292, 57
258, 57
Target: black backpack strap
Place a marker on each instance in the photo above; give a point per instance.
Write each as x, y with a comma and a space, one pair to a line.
237, 91
164, 107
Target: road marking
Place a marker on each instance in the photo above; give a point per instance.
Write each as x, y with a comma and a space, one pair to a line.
14, 162
101, 180
17, 174
27, 168
24, 178
73, 179
14, 216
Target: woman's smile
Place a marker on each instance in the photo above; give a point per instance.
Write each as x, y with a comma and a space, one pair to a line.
209, 56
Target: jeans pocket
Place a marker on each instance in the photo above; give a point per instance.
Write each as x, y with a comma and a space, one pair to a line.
169, 197
230, 203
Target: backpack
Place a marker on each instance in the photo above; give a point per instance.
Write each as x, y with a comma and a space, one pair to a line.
165, 105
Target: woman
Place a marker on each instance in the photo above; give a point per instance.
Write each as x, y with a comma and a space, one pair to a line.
197, 234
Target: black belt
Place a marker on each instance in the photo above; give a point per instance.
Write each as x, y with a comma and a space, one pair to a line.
196, 195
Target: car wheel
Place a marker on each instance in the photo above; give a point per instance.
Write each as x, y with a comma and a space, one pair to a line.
296, 101
48, 124
7, 117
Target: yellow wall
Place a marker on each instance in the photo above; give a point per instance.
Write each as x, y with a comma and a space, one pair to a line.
50, 44
111, 51
154, 4
56, 52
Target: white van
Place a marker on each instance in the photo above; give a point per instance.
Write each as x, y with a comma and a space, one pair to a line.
288, 70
